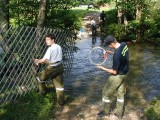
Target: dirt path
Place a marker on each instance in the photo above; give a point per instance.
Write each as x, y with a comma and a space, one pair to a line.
87, 26
87, 20
85, 92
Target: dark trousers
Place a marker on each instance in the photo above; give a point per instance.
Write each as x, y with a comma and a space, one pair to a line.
56, 75
93, 30
115, 83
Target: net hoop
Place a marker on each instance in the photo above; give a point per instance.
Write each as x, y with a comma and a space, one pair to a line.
91, 53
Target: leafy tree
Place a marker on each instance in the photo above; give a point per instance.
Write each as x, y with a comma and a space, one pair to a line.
18, 14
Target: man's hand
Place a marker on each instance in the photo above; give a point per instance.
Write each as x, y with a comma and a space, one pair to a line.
107, 70
36, 61
109, 52
100, 67
40, 61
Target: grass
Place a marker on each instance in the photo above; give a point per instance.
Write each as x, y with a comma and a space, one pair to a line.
152, 112
105, 8
80, 12
29, 107
32, 106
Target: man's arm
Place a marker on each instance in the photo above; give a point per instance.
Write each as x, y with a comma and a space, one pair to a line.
109, 52
107, 70
40, 61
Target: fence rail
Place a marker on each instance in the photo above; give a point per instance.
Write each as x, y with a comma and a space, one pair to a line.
18, 47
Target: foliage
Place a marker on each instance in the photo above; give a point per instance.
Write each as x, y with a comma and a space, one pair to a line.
151, 18
130, 10
89, 1
58, 14
148, 26
62, 19
127, 7
22, 15
29, 107
152, 112
111, 17
118, 31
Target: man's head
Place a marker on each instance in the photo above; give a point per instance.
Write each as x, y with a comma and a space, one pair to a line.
50, 39
110, 41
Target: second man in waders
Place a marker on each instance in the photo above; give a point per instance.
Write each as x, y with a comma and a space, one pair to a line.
116, 82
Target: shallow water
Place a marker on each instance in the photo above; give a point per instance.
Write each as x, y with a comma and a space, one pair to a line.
144, 76
145, 69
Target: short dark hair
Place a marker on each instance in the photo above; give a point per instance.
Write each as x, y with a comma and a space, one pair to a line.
109, 39
52, 36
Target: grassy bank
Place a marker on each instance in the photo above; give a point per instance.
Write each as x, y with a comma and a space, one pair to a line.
152, 112
29, 107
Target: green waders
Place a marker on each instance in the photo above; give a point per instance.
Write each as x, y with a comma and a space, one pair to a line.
115, 83
56, 74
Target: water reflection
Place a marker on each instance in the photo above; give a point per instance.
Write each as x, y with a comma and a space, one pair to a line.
144, 72
102, 37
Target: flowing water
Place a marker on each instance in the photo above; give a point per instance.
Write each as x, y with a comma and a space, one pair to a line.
86, 81
144, 68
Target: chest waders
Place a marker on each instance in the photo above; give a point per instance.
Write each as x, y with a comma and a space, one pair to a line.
55, 73
93, 30
115, 83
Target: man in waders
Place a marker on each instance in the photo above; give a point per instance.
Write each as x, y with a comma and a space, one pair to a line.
102, 17
102, 21
53, 70
93, 26
116, 82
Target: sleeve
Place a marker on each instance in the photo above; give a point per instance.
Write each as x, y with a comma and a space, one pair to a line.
47, 54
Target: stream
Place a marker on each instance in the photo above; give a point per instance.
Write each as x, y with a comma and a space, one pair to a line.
86, 82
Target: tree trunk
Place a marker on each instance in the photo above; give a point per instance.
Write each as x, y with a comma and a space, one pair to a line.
138, 5
41, 15
119, 12
138, 12
4, 22
41, 19
4, 14
125, 13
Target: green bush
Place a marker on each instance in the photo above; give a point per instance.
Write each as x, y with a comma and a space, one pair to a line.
151, 21
111, 17
119, 30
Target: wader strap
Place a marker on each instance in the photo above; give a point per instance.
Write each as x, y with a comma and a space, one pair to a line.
106, 100
60, 89
120, 100
39, 80
55, 63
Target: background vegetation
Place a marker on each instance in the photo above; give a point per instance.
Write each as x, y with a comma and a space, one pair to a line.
128, 20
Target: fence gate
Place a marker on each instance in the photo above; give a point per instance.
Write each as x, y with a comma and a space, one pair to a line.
18, 47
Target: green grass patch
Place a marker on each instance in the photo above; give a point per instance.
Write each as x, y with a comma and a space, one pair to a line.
91, 9
29, 107
153, 110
